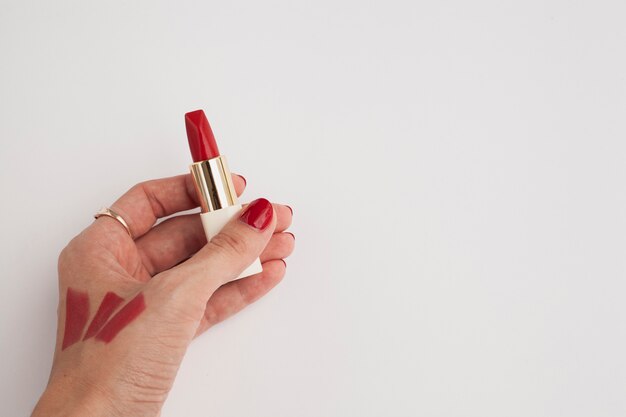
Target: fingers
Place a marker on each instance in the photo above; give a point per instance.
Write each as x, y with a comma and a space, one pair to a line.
221, 260
235, 296
171, 242
284, 217
178, 238
148, 201
280, 246
239, 181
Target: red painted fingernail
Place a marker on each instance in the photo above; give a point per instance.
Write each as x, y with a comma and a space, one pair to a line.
258, 214
245, 182
290, 209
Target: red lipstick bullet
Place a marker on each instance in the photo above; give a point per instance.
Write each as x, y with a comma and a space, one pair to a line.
201, 140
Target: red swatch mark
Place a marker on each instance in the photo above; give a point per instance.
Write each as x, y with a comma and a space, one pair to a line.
76, 315
127, 314
108, 305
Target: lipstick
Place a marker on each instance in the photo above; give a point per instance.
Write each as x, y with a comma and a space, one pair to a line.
213, 181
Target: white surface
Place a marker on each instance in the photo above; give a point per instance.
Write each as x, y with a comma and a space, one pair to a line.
456, 169
214, 221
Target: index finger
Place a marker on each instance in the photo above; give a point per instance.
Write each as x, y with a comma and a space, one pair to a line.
146, 202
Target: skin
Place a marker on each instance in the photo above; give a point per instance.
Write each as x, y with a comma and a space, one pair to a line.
187, 285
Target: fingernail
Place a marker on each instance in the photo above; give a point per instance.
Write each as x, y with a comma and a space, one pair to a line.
284, 262
245, 182
292, 235
258, 214
290, 209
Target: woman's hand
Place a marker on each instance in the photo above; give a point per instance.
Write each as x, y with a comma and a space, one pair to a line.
128, 308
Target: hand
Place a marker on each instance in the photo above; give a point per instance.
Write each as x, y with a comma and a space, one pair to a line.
128, 308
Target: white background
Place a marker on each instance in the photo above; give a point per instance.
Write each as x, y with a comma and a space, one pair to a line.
456, 169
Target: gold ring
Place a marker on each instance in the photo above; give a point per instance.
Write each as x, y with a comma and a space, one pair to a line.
105, 211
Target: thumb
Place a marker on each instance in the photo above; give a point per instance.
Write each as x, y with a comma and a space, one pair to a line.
231, 251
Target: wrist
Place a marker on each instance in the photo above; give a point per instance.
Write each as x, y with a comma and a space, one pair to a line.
71, 399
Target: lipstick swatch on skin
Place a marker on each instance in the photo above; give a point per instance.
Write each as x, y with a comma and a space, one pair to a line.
108, 305
123, 318
76, 316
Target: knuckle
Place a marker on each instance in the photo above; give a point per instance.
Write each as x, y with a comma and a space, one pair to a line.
67, 254
137, 188
64, 262
63, 256
229, 243
146, 189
